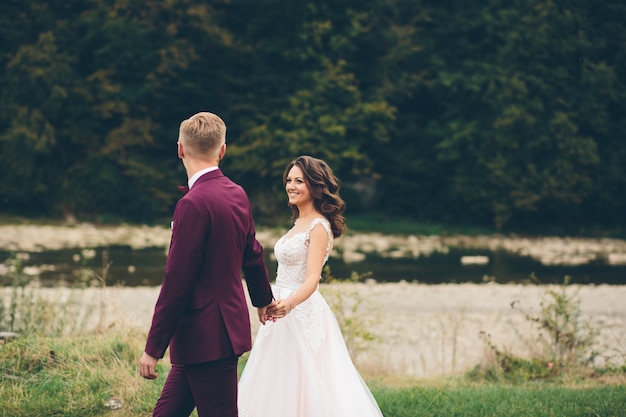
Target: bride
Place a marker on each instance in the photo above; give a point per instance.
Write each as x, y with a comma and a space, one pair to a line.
299, 365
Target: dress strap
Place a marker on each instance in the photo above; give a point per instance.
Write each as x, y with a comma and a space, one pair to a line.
324, 222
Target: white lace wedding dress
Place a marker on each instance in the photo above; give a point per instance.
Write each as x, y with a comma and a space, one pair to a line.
299, 365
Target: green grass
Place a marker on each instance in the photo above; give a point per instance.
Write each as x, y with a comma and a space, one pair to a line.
373, 222
87, 370
357, 223
503, 401
369, 222
74, 376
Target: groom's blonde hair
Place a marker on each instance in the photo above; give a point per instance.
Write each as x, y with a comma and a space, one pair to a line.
202, 134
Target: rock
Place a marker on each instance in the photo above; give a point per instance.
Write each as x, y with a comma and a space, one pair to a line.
474, 260
7, 335
616, 258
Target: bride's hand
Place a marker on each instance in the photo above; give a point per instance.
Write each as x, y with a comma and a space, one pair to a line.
263, 312
282, 308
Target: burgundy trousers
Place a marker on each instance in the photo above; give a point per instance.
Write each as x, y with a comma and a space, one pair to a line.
211, 387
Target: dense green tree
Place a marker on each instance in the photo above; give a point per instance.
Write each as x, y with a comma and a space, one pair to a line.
93, 113
301, 74
38, 87
511, 82
604, 70
495, 113
410, 180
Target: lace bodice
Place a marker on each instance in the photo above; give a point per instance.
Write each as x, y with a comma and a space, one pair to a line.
291, 254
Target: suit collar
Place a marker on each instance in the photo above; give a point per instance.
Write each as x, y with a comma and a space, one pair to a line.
208, 176
199, 174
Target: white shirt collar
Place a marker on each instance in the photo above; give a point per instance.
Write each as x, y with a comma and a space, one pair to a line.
198, 174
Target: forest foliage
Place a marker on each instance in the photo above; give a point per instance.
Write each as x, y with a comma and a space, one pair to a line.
509, 114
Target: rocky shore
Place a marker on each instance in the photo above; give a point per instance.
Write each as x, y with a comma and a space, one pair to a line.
412, 329
351, 248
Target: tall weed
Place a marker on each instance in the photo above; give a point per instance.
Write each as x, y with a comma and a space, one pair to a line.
563, 343
565, 334
26, 309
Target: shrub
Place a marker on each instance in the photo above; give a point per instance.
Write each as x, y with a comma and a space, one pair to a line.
565, 341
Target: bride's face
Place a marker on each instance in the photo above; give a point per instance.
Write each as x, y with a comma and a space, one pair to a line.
297, 188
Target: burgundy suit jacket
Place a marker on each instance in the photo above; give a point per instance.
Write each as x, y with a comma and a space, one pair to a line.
201, 312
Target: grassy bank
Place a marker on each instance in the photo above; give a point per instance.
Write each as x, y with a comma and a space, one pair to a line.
365, 222
86, 375
357, 223
377, 223
503, 401
96, 375
56, 368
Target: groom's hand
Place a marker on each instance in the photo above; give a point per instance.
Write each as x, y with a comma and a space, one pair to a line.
147, 365
263, 313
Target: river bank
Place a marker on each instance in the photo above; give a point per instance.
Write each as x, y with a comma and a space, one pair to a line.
350, 248
414, 330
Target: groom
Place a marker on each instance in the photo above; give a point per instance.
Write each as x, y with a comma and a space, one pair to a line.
201, 312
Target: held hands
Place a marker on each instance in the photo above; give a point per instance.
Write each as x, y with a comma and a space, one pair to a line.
276, 310
263, 312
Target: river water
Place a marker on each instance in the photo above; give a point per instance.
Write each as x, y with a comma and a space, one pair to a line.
144, 267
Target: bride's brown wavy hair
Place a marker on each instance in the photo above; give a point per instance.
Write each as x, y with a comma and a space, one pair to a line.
324, 188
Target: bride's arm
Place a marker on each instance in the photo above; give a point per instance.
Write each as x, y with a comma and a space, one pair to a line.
318, 242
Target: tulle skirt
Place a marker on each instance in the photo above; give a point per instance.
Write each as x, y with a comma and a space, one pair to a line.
299, 366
